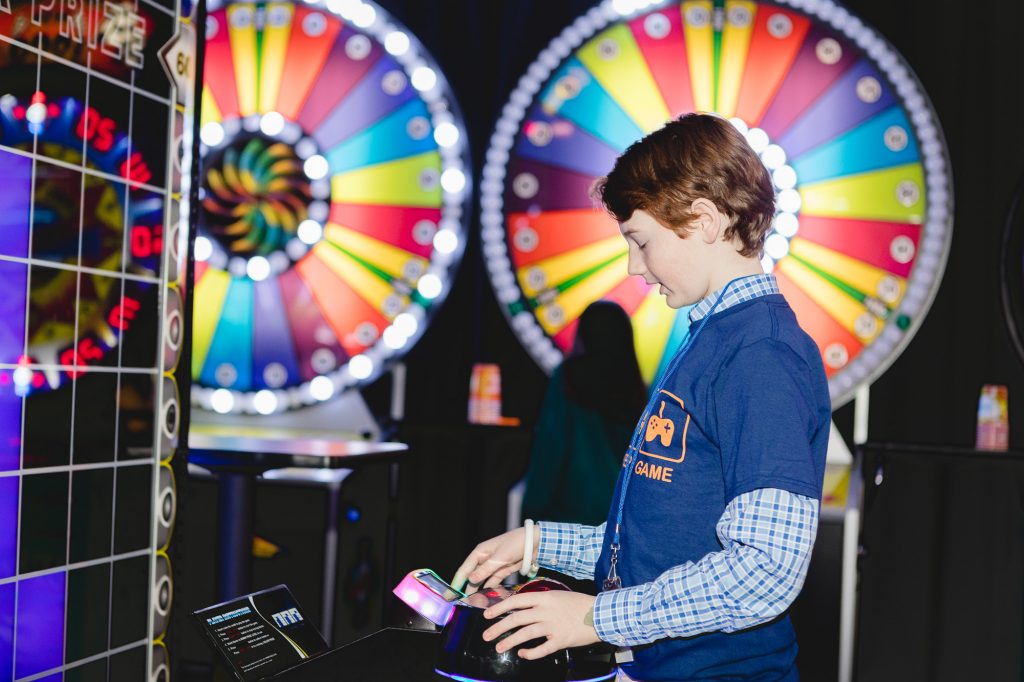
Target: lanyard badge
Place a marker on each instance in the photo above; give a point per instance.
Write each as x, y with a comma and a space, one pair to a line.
613, 581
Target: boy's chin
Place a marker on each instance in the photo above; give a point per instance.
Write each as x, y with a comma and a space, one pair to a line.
676, 301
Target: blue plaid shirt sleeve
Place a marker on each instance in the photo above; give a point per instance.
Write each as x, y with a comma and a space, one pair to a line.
767, 536
570, 548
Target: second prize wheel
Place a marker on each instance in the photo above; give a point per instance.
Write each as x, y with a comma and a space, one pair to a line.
863, 189
334, 196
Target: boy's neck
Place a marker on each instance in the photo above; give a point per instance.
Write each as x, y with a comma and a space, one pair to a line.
732, 267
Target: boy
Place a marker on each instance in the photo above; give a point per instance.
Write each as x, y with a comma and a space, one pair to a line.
714, 515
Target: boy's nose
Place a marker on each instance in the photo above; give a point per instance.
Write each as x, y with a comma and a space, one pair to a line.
635, 267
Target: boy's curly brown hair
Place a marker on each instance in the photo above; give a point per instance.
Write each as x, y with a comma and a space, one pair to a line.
693, 156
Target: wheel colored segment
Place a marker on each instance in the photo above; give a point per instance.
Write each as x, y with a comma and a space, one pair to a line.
241, 20
894, 194
316, 345
211, 289
554, 141
335, 283
652, 328
219, 61
887, 246
614, 59
538, 238
308, 54
411, 229
538, 184
411, 181
334, 82
386, 140
368, 102
273, 352
735, 47
577, 96
880, 142
837, 343
660, 38
700, 51
774, 45
229, 358
856, 96
272, 53
820, 61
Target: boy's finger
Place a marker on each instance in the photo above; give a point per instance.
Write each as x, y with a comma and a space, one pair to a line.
516, 601
468, 566
500, 575
509, 622
476, 580
501, 607
459, 580
548, 647
523, 634
484, 570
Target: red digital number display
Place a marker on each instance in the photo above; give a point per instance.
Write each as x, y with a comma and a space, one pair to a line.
95, 129
123, 313
87, 351
135, 168
99, 131
84, 353
147, 240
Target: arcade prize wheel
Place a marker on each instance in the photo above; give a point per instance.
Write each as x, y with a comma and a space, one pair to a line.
863, 188
1013, 271
333, 201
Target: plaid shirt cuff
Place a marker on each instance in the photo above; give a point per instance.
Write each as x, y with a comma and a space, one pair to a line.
570, 548
767, 536
617, 616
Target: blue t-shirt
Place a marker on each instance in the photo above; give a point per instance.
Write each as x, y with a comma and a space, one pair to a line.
747, 408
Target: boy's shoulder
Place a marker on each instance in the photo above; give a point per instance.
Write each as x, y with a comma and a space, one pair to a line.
766, 329
764, 317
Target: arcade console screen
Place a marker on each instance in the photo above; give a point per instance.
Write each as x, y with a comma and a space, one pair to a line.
261, 634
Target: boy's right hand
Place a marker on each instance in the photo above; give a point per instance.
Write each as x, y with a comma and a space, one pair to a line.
494, 560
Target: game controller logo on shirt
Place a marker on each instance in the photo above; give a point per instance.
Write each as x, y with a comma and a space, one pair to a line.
664, 438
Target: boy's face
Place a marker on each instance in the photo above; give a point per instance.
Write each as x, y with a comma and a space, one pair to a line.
661, 257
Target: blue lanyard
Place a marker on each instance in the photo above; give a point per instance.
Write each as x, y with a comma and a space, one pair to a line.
613, 581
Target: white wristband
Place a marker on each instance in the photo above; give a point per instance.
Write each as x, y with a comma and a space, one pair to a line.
528, 569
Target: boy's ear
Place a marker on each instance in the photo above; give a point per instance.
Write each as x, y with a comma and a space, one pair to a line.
707, 220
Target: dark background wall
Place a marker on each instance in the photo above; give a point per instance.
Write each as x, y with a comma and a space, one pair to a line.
970, 61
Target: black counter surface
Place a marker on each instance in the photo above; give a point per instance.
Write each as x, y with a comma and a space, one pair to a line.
403, 655
390, 655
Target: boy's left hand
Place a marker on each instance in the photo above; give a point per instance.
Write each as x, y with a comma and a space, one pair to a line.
564, 619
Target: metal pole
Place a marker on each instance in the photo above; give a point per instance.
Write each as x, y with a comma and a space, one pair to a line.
234, 532
390, 539
330, 559
851, 539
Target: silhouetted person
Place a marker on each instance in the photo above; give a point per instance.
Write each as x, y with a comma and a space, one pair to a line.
589, 411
